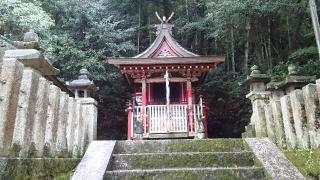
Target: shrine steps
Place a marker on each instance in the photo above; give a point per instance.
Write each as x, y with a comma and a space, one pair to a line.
189, 174
183, 159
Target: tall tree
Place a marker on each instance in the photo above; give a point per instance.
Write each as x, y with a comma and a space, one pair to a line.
315, 22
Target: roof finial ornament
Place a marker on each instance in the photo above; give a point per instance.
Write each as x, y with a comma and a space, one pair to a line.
164, 18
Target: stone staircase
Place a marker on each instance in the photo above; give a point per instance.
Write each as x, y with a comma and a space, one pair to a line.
183, 160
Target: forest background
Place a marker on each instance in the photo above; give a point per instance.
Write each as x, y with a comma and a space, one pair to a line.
83, 33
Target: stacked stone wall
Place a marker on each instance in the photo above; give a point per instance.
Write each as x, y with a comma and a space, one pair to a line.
288, 113
36, 117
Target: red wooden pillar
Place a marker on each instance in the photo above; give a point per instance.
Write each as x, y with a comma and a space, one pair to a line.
181, 93
129, 111
144, 105
190, 106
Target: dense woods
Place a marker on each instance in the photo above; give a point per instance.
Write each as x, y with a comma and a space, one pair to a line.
76, 34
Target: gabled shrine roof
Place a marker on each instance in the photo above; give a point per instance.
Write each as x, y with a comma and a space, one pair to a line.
165, 43
165, 50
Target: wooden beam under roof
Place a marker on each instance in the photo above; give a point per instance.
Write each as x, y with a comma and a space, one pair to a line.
166, 61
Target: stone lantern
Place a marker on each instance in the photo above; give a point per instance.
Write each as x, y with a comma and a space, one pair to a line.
82, 87
31, 55
294, 81
259, 98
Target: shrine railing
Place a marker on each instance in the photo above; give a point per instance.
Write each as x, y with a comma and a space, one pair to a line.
165, 119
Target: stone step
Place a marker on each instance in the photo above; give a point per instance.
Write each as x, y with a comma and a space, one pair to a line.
181, 145
245, 173
181, 160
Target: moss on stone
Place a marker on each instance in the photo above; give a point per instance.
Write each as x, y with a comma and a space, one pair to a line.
157, 161
32, 152
15, 150
212, 145
46, 150
37, 168
64, 154
207, 145
307, 161
221, 174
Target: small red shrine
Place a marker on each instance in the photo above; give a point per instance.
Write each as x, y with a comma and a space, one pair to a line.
163, 79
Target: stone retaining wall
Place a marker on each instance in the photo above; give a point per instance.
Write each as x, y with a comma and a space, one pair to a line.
36, 117
287, 112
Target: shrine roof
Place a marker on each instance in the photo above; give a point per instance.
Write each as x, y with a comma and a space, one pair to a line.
165, 41
165, 50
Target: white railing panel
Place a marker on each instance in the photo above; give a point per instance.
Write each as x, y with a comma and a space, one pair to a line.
166, 119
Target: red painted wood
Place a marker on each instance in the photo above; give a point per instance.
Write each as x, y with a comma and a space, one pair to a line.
129, 110
144, 104
150, 93
181, 92
190, 107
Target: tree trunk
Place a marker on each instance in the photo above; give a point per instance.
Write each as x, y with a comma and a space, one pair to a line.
139, 26
288, 34
315, 22
269, 45
215, 45
187, 11
233, 63
227, 62
246, 51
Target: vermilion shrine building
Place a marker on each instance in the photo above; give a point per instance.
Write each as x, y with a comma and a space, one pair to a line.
163, 79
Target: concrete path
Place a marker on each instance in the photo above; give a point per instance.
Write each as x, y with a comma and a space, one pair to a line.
95, 161
274, 162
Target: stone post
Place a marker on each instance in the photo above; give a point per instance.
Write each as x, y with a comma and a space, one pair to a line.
26, 110
270, 122
317, 122
291, 83
52, 120
291, 118
259, 98
40, 119
78, 130
71, 123
89, 114
312, 108
61, 144
10, 79
288, 122
299, 117
86, 111
277, 121
29, 53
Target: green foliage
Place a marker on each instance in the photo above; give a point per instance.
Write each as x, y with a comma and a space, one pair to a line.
22, 16
37, 168
229, 110
310, 68
306, 60
303, 55
307, 161
279, 73
28, 15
